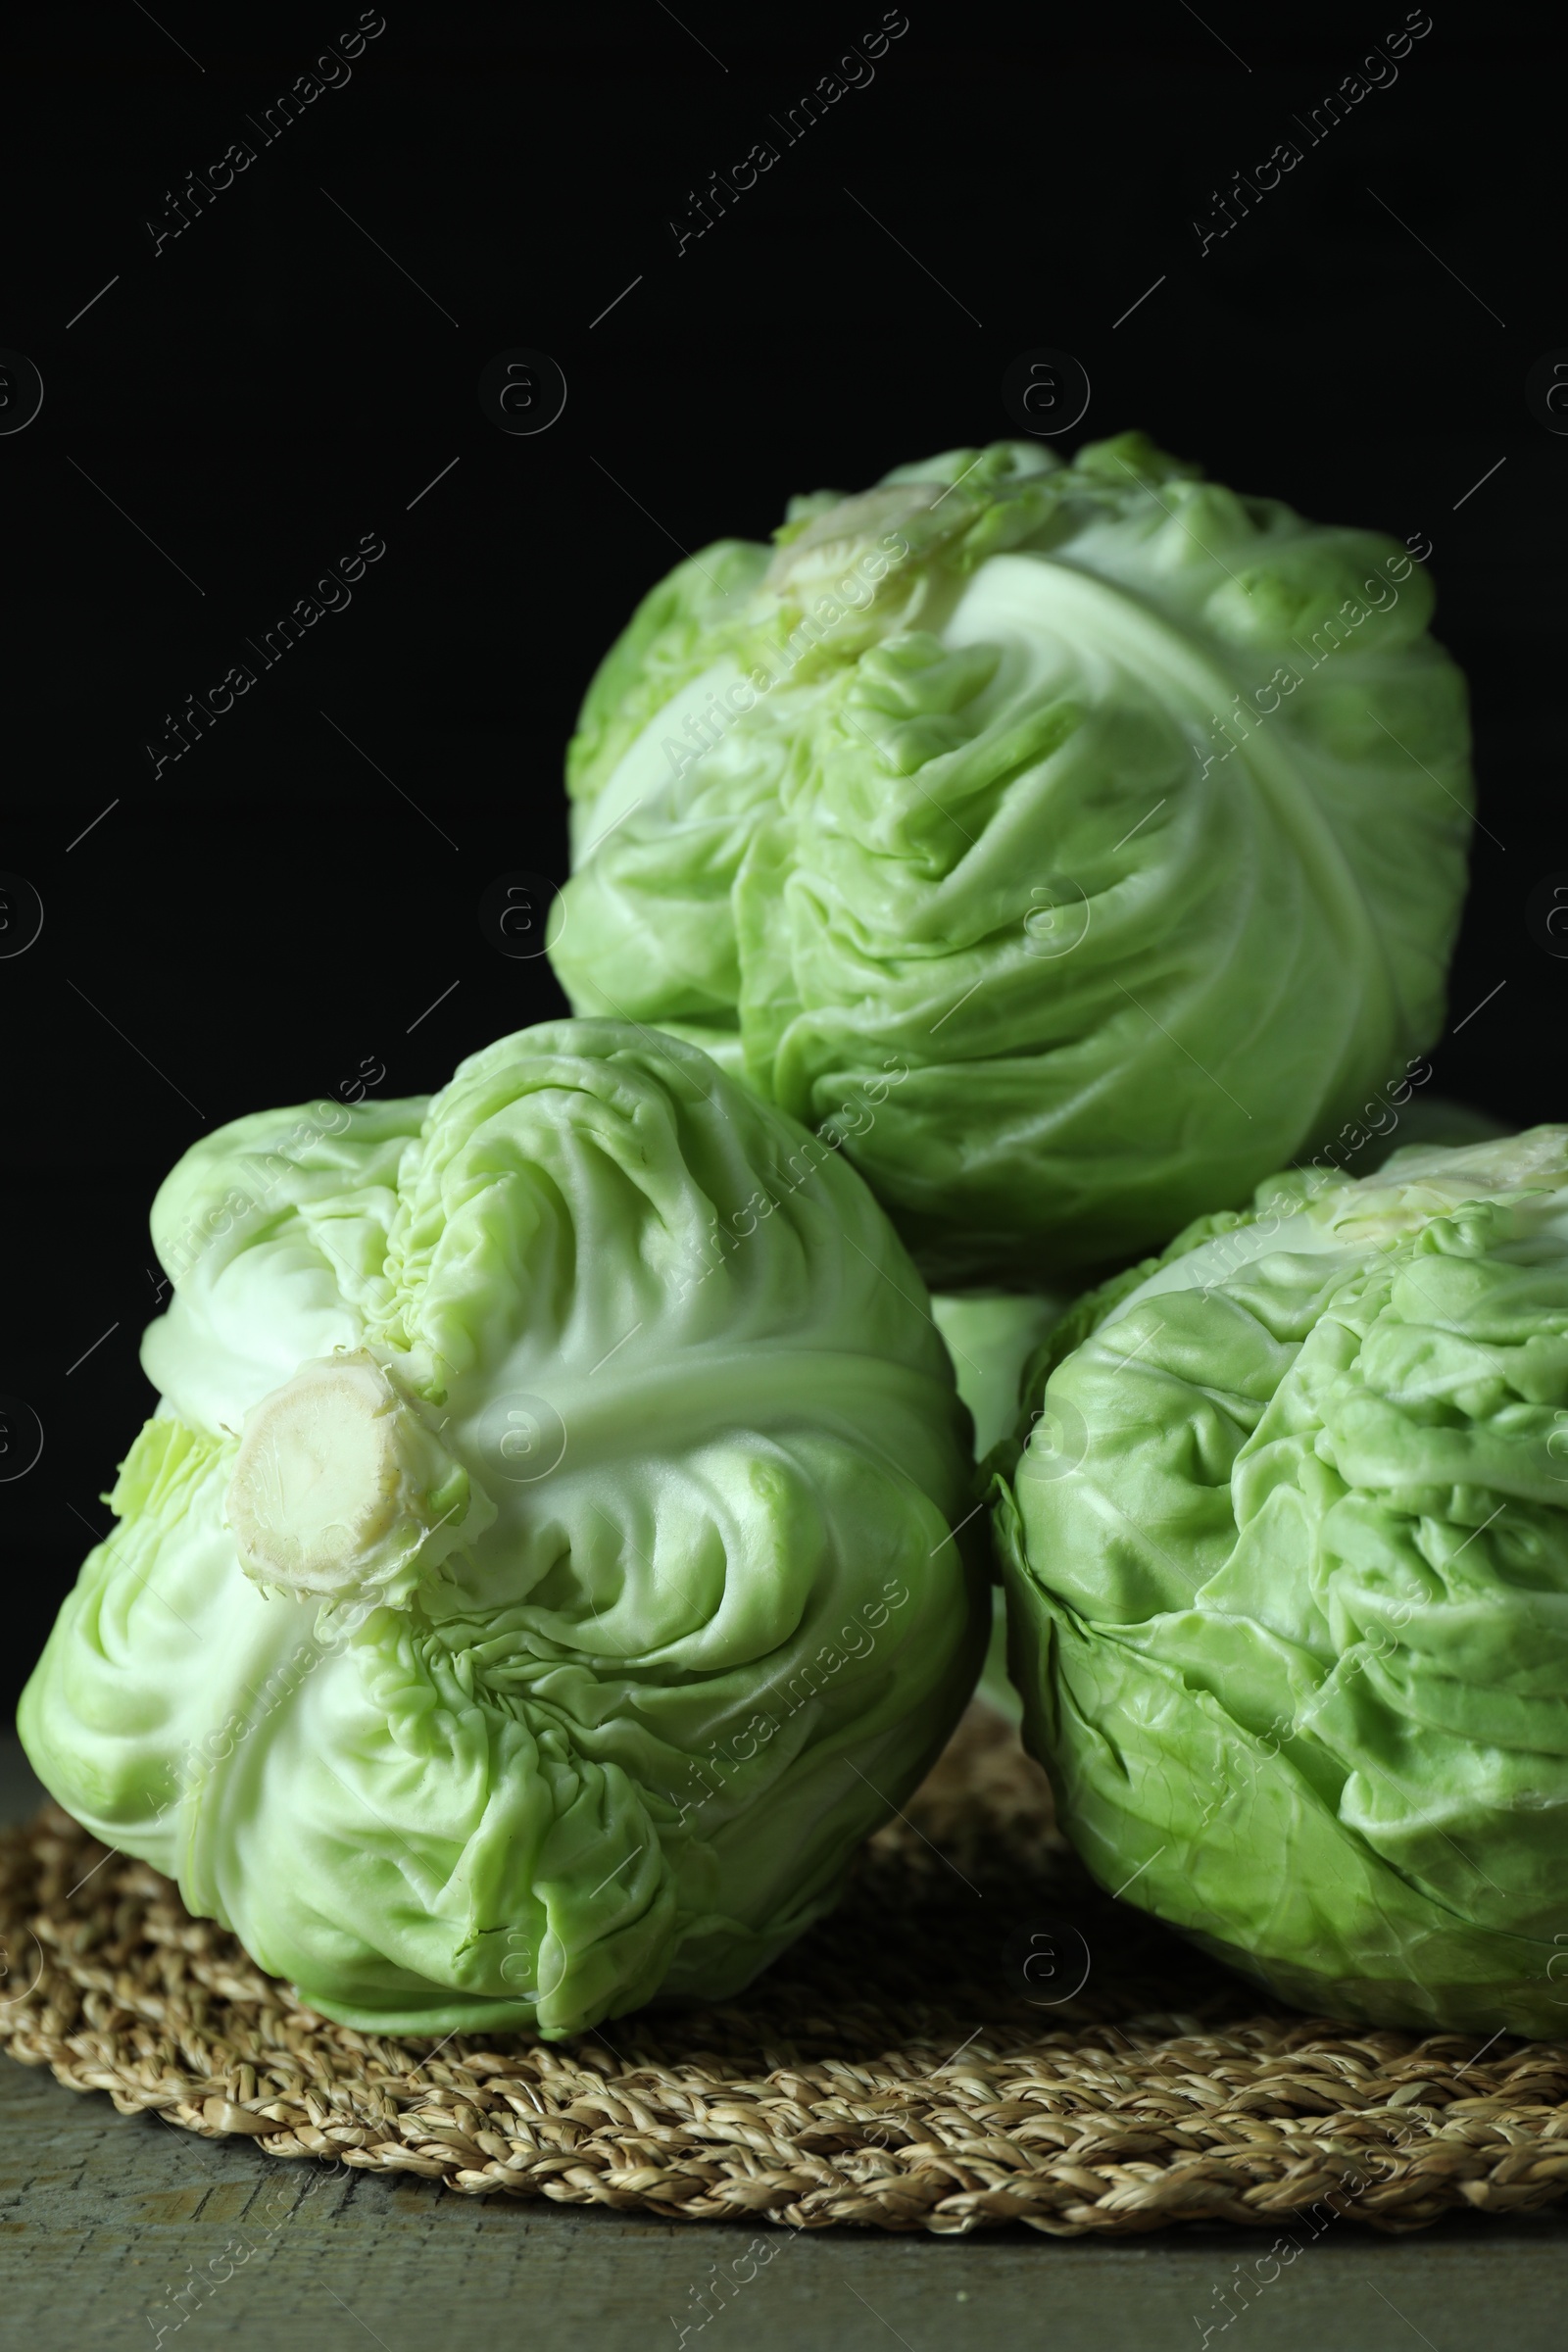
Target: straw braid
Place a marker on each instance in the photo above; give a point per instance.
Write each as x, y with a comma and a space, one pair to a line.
893, 2071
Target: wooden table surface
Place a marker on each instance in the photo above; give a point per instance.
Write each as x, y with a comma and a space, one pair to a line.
104, 2218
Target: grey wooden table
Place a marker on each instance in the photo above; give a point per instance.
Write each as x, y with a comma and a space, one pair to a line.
113, 2228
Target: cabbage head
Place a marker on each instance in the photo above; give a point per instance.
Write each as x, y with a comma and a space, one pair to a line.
1286, 1552
536, 1577
1128, 814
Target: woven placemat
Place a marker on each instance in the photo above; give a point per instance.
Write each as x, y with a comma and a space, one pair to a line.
978, 2037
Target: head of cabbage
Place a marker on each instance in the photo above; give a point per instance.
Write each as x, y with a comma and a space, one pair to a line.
1286, 1554
1129, 814
537, 1575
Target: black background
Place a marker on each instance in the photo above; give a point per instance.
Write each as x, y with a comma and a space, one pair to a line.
279, 906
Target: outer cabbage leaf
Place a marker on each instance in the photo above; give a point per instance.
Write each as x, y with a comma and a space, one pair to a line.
991, 1336
1286, 1553
537, 1575
1128, 814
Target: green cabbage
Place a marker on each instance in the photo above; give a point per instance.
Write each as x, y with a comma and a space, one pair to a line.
1127, 813
1286, 1550
536, 1577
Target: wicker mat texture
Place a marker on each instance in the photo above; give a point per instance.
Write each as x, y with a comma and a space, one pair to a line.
977, 2037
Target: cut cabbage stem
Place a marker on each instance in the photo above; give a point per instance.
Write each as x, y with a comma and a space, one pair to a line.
341, 1485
